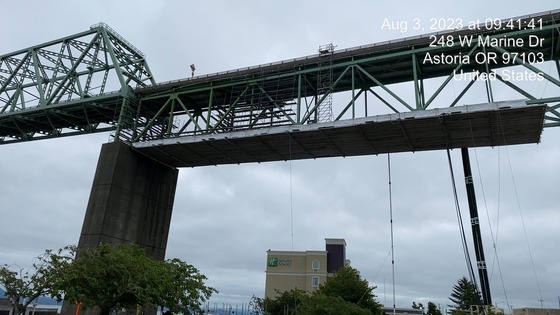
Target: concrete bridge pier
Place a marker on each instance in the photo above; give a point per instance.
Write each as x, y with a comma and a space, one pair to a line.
131, 200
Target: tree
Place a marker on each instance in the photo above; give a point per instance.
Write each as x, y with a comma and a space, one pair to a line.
184, 288
464, 295
344, 293
18, 288
320, 304
286, 302
433, 309
123, 276
24, 287
301, 302
347, 284
256, 305
418, 306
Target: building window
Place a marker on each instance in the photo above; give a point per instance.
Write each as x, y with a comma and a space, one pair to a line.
315, 282
315, 265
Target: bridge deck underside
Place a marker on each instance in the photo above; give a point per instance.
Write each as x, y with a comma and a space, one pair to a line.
82, 116
492, 124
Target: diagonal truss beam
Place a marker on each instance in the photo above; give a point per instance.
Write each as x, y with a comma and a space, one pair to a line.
62, 73
76, 71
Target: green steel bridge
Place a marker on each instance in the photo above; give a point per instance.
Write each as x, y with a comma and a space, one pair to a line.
343, 102
394, 96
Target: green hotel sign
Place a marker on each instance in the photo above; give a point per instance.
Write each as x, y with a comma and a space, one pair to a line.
275, 262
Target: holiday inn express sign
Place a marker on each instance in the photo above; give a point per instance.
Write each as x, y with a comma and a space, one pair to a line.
275, 262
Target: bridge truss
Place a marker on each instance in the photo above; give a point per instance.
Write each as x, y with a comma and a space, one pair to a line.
73, 85
60, 88
368, 77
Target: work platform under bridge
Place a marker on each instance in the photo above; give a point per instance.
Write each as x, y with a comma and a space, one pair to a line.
387, 97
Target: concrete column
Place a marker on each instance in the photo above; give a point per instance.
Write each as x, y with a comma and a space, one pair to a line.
131, 200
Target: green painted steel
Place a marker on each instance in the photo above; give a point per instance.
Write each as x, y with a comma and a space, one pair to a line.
396, 73
60, 88
73, 85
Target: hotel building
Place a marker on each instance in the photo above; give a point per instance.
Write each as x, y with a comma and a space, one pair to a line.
304, 270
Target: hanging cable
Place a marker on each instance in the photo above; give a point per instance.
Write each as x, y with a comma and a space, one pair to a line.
494, 239
466, 253
524, 229
521, 215
470, 269
391, 220
390, 252
291, 192
460, 221
381, 267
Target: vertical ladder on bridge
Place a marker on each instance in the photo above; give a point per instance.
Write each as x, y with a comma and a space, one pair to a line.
324, 84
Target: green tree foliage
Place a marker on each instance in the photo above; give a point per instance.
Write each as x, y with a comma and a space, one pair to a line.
345, 293
348, 285
256, 305
464, 296
433, 309
183, 287
123, 276
24, 287
320, 304
285, 303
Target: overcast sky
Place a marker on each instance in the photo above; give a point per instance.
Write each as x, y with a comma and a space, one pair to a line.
225, 218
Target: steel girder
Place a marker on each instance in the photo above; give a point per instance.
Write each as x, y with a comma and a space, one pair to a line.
390, 77
60, 87
73, 85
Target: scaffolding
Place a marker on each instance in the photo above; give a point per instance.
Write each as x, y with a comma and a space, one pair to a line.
324, 83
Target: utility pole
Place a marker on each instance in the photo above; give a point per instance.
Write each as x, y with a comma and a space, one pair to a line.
475, 225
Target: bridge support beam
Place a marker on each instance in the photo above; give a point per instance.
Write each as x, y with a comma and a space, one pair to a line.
131, 200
